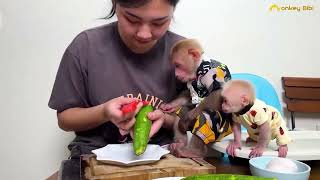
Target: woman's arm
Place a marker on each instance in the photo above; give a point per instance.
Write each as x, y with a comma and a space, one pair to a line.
81, 119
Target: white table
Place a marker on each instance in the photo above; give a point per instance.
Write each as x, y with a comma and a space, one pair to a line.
305, 146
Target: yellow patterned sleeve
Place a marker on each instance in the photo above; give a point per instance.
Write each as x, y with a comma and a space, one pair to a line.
178, 112
202, 129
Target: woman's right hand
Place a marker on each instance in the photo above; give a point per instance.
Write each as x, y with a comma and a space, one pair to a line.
112, 112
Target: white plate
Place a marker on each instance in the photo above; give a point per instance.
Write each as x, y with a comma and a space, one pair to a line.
305, 146
123, 154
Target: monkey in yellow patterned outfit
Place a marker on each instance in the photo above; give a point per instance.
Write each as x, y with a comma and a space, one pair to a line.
210, 126
263, 122
204, 77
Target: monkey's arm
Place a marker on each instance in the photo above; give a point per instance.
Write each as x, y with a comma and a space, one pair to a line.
178, 136
236, 128
263, 140
211, 102
282, 151
181, 148
173, 106
180, 139
236, 143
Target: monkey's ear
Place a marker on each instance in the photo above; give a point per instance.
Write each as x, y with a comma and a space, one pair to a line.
245, 100
194, 53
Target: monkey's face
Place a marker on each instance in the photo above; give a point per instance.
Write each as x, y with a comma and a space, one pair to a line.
231, 103
185, 66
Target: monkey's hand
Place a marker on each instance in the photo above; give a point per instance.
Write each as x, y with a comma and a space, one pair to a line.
173, 147
180, 140
169, 107
180, 150
187, 121
282, 151
256, 151
174, 105
231, 148
189, 153
178, 144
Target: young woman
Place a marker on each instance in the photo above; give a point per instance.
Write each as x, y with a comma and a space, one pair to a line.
106, 67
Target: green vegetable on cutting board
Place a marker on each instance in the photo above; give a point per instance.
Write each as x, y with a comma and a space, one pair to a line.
225, 177
141, 130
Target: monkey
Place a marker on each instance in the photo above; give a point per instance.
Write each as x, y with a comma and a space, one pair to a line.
182, 148
202, 115
263, 122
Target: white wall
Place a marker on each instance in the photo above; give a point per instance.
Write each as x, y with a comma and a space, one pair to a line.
247, 37
33, 35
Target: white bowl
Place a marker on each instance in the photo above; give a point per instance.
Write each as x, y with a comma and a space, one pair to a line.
258, 168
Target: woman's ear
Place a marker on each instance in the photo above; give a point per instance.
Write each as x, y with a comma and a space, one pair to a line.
194, 53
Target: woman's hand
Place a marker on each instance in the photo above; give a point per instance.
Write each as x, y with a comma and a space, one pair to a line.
124, 121
157, 118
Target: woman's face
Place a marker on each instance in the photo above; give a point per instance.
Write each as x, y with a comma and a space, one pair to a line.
140, 28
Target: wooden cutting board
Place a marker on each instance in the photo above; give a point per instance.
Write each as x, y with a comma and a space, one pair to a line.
168, 166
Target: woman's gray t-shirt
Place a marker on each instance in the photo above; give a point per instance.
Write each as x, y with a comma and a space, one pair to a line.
97, 67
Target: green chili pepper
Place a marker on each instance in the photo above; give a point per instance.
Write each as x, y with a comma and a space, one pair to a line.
141, 130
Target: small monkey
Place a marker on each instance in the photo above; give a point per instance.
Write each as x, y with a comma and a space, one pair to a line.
263, 122
204, 78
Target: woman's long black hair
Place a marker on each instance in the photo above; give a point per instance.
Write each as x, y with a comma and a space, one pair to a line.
133, 3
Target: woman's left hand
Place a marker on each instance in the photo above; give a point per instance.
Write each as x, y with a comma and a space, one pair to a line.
157, 118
